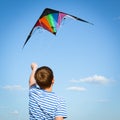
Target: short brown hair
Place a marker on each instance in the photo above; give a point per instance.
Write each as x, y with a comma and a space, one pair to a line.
44, 76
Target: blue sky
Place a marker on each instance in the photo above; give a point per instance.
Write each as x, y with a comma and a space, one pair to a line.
85, 58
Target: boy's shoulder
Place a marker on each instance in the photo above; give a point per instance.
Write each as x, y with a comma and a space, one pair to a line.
35, 89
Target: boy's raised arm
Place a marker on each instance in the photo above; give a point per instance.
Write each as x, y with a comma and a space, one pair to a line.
32, 79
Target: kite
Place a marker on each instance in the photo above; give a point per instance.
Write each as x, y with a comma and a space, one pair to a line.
50, 20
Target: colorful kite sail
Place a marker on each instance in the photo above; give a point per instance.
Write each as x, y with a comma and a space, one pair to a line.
50, 20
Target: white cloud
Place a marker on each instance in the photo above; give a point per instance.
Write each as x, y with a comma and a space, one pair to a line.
93, 79
103, 100
15, 112
117, 18
77, 88
13, 87
3, 107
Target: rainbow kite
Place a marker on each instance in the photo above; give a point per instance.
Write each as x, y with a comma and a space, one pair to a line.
50, 20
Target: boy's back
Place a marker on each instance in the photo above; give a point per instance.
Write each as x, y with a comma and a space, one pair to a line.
45, 104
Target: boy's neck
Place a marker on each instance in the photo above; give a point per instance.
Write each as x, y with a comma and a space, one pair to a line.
48, 89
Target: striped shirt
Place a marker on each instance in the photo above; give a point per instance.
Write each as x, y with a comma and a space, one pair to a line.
45, 105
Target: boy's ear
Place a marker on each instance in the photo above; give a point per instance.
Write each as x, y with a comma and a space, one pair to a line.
53, 81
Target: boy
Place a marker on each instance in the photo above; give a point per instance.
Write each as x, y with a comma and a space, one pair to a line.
43, 103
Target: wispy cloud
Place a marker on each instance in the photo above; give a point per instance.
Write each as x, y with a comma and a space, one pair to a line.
13, 87
99, 79
117, 18
74, 88
15, 112
3, 107
103, 100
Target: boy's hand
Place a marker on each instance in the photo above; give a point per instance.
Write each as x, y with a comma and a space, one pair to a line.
34, 66
32, 79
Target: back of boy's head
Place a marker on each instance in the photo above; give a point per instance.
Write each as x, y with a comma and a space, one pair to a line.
44, 76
